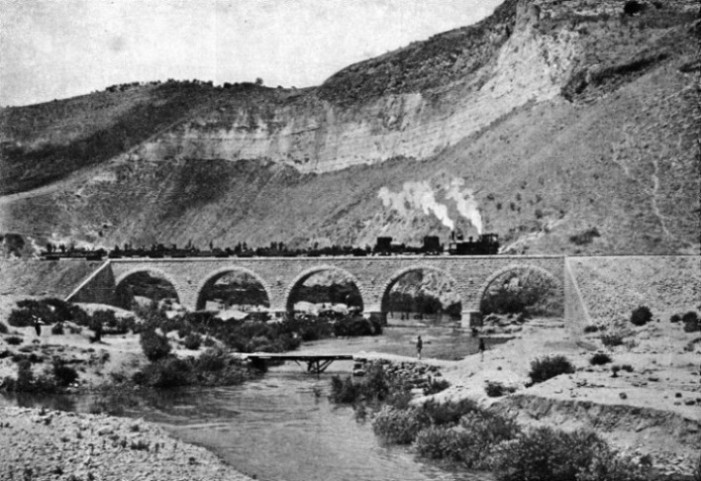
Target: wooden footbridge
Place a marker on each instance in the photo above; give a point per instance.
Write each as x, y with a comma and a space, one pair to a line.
316, 363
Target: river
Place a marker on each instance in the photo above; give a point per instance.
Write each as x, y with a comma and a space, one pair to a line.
283, 427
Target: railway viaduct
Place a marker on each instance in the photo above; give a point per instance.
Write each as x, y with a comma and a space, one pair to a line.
373, 276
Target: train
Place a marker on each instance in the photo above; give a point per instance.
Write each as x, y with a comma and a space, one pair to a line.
484, 244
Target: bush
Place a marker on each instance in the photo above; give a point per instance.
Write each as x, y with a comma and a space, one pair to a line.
549, 367
397, 426
65, 375
611, 339
164, 373
627, 368
193, 341
599, 359
675, 318
344, 391
691, 322
211, 360
13, 340
436, 386
494, 389
447, 413
155, 347
591, 328
57, 329
3, 328
641, 316
545, 454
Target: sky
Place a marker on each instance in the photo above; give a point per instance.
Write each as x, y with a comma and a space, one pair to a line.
62, 48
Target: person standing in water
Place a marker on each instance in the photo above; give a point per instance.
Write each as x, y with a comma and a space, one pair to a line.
419, 346
482, 348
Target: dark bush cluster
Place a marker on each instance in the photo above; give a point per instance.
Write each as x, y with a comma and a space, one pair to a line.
497, 389
193, 341
600, 359
691, 321
213, 367
545, 454
154, 345
13, 340
548, 367
3, 328
641, 316
611, 339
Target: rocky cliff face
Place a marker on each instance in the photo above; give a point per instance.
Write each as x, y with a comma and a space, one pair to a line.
566, 127
321, 130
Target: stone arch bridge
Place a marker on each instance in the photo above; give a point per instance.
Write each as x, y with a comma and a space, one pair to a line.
373, 276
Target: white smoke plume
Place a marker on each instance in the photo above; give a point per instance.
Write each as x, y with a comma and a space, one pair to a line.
416, 195
420, 196
465, 203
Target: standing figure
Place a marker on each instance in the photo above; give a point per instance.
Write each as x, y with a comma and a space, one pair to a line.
37, 325
482, 348
419, 346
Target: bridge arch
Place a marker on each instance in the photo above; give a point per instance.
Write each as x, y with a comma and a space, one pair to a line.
119, 281
516, 268
394, 278
213, 276
307, 273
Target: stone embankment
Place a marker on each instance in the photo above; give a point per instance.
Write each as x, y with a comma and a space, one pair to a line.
43, 445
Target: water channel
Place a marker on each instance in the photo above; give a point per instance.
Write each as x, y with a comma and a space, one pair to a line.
283, 427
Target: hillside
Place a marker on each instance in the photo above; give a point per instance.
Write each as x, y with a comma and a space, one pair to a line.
566, 127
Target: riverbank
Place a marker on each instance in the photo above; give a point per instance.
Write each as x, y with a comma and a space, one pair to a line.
649, 411
41, 445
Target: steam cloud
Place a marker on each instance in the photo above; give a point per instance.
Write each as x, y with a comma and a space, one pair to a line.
416, 195
420, 196
465, 203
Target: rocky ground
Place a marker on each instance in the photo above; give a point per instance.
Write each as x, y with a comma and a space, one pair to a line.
42, 445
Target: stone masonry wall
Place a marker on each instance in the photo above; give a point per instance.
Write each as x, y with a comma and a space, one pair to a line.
373, 276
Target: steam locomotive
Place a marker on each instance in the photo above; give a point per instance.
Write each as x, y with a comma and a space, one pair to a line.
485, 244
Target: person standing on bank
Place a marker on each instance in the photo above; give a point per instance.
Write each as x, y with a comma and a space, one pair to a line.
482, 348
419, 346
37, 325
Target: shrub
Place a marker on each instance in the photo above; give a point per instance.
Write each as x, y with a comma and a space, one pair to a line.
344, 391
691, 322
611, 339
494, 389
3, 328
469, 443
20, 318
57, 329
193, 341
447, 413
397, 426
436, 386
155, 347
675, 318
599, 359
627, 368
65, 375
632, 7
13, 340
641, 316
591, 328
164, 373
211, 360
546, 454
549, 367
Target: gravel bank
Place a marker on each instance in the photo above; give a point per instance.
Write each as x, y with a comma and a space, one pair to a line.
56, 445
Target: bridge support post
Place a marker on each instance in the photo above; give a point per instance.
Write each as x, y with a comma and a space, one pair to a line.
470, 318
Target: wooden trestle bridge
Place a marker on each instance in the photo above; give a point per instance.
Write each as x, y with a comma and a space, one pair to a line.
316, 363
